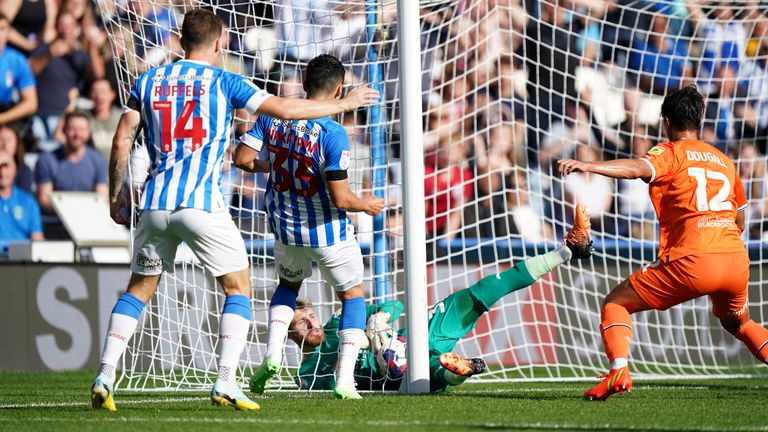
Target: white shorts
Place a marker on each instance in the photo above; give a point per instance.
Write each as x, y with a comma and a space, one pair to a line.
213, 237
340, 264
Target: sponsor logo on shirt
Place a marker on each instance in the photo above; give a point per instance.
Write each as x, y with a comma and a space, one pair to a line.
656, 150
714, 222
345, 159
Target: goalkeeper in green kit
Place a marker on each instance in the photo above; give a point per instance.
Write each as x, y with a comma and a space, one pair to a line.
382, 365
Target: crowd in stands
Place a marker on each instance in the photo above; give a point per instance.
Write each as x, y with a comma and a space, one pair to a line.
510, 87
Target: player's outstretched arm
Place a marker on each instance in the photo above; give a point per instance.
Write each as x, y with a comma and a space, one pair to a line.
344, 199
247, 159
305, 109
619, 168
118, 160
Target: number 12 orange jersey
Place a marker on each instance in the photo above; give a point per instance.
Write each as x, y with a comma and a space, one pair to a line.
696, 193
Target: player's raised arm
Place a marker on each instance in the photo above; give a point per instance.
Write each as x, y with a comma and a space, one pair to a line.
125, 134
619, 168
301, 109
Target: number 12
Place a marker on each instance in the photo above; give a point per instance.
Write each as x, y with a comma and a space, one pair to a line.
718, 202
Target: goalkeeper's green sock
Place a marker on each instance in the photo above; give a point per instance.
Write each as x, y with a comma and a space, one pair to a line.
491, 289
449, 377
540, 265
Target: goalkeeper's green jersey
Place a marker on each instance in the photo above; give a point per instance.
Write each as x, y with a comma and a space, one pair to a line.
317, 371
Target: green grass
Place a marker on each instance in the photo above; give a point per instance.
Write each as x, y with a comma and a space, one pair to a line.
59, 401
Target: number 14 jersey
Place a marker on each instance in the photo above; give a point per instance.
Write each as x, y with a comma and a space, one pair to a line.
697, 193
186, 112
303, 155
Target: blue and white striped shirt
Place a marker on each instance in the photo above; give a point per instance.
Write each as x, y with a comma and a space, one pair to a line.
186, 113
300, 154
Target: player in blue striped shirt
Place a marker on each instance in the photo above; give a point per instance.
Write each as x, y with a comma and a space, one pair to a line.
307, 201
185, 110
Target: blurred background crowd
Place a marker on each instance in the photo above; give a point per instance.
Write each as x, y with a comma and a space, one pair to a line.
510, 86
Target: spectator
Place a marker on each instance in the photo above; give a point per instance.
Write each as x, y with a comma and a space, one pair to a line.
634, 201
752, 172
594, 191
91, 38
447, 186
73, 167
104, 116
513, 216
551, 59
9, 143
722, 125
19, 212
724, 40
32, 22
661, 59
61, 68
18, 95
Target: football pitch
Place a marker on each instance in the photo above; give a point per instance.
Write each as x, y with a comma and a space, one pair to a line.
59, 401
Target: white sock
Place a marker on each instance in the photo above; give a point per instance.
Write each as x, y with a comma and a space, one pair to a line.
280, 316
120, 330
619, 362
540, 265
233, 332
349, 348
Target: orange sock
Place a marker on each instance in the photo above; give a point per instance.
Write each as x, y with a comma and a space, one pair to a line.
616, 330
755, 337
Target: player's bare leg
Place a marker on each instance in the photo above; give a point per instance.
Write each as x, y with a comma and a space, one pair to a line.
233, 332
351, 339
122, 326
616, 331
281, 312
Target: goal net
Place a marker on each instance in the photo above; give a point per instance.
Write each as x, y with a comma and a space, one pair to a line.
508, 87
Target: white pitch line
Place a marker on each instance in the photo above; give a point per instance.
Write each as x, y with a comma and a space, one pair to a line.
372, 423
86, 404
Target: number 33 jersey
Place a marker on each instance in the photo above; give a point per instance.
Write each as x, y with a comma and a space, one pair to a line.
303, 155
697, 193
186, 112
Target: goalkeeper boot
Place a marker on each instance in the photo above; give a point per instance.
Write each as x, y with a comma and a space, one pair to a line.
617, 381
342, 391
101, 394
577, 239
227, 394
268, 369
461, 366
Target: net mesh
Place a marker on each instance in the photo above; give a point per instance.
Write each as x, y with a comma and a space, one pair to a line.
509, 86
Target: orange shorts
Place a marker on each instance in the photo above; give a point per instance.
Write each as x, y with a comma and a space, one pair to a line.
721, 276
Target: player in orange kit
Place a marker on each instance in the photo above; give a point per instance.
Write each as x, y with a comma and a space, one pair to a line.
699, 201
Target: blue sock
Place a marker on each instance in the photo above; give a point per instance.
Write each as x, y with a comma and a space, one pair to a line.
352, 314
284, 296
238, 305
128, 305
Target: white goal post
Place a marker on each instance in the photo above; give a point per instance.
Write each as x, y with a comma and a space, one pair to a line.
506, 87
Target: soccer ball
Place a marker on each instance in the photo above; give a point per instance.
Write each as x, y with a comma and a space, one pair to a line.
392, 358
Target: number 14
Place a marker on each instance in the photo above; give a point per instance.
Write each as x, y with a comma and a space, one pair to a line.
196, 131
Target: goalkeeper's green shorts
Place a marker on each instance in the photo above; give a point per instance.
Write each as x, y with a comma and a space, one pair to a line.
449, 321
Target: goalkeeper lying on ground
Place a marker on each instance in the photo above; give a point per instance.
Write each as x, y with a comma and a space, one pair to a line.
382, 365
